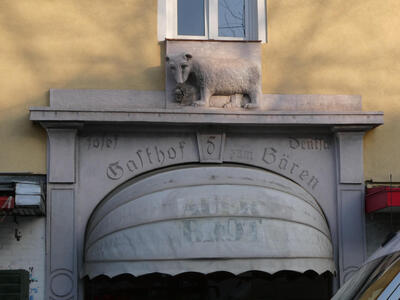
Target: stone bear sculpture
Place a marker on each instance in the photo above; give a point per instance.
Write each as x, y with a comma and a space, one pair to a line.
214, 76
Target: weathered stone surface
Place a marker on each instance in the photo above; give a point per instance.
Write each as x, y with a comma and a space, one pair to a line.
197, 116
199, 78
131, 99
212, 58
106, 99
61, 150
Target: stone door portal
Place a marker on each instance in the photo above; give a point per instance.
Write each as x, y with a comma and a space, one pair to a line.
138, 187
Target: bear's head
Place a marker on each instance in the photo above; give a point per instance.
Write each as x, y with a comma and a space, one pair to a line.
180, 66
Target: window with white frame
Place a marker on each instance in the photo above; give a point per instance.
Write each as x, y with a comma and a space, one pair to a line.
212, 19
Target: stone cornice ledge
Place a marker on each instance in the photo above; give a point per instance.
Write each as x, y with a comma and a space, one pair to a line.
198, 116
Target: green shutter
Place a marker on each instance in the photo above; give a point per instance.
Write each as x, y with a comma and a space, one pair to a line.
14, 285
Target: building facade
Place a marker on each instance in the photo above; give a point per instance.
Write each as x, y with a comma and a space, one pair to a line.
141, 178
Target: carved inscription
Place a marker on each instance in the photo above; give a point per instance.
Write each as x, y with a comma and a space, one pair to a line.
101, 142
211, 147
145, 157
282, 161
219, 230
219, 207
225, 230
318, 144
241, 154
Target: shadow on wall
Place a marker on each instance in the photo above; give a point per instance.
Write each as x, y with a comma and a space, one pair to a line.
340, 47
314, 47
335, 47
69, 44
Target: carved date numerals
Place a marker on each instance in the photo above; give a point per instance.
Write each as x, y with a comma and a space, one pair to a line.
211, 147
101, 142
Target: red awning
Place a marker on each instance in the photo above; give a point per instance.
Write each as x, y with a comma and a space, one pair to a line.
6, 202
382, 199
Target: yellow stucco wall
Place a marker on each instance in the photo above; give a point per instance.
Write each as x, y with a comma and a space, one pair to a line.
99, 44
341, 47
314, 47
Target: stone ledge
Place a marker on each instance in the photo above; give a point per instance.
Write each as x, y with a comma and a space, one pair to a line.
134, 99
194, 116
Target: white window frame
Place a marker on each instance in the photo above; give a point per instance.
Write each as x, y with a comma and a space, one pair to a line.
255, 21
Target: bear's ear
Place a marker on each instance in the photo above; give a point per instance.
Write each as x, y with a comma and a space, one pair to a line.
167, 58
187, 55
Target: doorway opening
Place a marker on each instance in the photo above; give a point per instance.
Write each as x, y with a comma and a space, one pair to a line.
252, 285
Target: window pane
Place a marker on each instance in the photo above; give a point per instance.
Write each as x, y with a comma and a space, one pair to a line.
231, 18
191, 17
